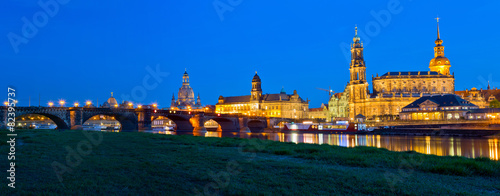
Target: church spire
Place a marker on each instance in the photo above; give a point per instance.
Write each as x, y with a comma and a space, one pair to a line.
489, 88
439, 37
356, 37
438, 40
185, 78
198, 100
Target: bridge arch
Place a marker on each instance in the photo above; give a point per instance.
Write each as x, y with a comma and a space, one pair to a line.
109, 122
212, 125
225, 124
279, 121
61, 124
127, 120
181, 123
166, 124
257, 125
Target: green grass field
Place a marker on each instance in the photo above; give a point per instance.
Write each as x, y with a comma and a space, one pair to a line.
152, 164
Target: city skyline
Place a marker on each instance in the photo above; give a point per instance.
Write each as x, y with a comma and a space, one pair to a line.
278, 49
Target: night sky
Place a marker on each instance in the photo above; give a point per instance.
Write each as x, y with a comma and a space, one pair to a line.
85, 50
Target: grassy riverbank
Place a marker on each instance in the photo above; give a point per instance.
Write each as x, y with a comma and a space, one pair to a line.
144, 164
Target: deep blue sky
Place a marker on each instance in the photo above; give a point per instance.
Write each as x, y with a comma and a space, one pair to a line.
89, 49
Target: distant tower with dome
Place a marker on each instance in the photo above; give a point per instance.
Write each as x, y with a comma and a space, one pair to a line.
111, 102
185, 97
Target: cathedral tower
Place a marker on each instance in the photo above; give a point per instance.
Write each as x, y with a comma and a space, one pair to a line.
256, 88
439, 63
185, 96
357, 85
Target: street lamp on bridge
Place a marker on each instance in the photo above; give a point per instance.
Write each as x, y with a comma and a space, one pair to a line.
61, 103
6, 103
76, 104
51, 104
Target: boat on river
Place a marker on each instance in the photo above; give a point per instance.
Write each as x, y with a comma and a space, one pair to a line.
336, 127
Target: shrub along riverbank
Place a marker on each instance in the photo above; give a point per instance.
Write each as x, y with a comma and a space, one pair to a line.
69, 162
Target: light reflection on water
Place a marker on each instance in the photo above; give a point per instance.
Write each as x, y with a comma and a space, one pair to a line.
437, 145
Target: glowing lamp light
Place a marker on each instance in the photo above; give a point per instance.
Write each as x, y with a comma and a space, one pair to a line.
51, 104
154, 105
139, 106
6, 103
130, 104
76, 104
116, 105
88, 102
61, 103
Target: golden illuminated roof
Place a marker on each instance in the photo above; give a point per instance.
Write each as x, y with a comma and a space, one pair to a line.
437, 61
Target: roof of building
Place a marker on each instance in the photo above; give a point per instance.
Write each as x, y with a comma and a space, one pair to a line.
484, 93
256, 78
265, 97
360, 116
275, 97
412, 73
486, 110
441, 100
245, 98
315, 109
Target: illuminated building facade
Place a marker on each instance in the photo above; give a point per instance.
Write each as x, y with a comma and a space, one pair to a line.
484, 114
438, 107
279, 105
185, 97
319, 113
338, 106
481, 98
394, 90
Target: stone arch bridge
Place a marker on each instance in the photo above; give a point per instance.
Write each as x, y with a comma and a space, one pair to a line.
140, 119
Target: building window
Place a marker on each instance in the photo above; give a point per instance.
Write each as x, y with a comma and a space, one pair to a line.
449, 116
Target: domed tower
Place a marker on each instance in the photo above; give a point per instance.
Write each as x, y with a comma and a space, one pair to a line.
439, 63
110, 103
185, 96
256, 88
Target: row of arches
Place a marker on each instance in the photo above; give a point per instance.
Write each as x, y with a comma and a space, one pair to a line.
116, 123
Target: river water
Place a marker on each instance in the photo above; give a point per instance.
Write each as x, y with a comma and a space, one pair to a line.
471, 147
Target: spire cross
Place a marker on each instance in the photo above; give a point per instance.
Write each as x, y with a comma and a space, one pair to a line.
437, 19
356, 29
111, 94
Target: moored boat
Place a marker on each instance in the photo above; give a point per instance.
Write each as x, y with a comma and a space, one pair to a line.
337, 127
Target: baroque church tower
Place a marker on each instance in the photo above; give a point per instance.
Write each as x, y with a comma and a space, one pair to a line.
185, 97
439, 63
256, 92
357, 85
